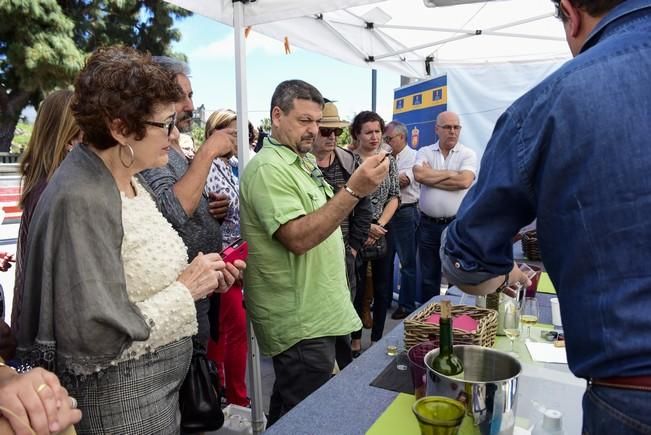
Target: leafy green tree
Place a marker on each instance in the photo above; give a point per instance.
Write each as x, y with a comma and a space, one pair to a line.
265, 124
344, 138
197, 134
37, 53
43, 44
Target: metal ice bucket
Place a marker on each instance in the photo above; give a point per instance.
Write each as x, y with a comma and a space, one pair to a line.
488, 386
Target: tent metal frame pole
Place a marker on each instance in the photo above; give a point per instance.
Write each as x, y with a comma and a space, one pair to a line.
243, 155
339, 36
243, 150
374, 90
466, 34
449, 30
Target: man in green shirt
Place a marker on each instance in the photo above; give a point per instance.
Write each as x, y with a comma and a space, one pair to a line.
296, 289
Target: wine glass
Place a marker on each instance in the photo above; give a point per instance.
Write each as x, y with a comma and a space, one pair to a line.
529, 314
512, 324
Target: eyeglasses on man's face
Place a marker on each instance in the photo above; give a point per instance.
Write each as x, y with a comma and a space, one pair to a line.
169, 125
449, 128
326, 131
558, 12
388, 139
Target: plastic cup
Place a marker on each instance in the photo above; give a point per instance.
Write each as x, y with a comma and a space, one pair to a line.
439, 415
417, 365
556, 312
533, 273
402, 361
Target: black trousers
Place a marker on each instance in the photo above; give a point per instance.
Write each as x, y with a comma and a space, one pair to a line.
300, 371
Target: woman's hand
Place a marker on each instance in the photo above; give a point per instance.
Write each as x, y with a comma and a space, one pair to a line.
7, 341
376, 231
205, 274
38, 400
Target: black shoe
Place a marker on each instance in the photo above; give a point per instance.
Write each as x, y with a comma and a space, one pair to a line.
400, 313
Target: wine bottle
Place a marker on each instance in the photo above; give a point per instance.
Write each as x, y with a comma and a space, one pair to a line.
446, 362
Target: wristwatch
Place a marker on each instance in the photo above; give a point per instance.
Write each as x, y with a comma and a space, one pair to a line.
504, 285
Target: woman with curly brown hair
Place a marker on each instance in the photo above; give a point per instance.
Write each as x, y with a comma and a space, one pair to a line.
108, 301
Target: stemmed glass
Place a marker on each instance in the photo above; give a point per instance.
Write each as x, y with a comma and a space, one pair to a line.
512, 324
529, 313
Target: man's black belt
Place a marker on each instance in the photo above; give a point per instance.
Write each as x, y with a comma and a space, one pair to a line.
411, 204
438, 220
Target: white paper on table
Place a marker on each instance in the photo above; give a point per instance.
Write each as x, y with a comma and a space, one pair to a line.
546, 352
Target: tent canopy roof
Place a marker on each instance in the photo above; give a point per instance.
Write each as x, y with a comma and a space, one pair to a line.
404, 36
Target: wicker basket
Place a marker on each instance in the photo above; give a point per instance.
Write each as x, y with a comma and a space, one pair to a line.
417, 330
530, 245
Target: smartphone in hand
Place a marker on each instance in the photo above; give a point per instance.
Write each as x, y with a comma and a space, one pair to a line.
238, 250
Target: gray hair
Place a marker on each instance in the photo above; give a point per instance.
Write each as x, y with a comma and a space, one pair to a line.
174, 66
289, 90
399, 127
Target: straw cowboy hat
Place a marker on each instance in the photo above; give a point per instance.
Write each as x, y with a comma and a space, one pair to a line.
330, 117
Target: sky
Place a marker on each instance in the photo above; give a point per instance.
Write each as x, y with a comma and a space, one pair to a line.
209, 46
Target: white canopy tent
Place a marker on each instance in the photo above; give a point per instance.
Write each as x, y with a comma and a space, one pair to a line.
407, 37
492, 51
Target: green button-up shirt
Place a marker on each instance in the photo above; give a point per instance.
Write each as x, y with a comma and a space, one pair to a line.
291, 297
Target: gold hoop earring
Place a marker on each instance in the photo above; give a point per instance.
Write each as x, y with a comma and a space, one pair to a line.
132, 156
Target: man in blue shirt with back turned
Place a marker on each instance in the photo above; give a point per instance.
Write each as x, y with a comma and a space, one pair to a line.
574, 152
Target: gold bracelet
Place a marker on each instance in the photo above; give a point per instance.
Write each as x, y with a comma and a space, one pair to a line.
351, 192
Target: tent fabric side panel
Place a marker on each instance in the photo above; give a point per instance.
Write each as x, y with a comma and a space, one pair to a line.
481, 93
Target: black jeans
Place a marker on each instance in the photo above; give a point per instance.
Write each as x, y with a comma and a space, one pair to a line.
382, 270
300, 371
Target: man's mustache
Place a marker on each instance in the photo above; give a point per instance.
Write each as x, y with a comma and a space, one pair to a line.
183, 116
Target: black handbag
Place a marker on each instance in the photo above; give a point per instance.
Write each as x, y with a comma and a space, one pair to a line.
199, 400
376, 250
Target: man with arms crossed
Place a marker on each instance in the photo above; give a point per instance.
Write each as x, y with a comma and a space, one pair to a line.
297, 295
445, 171
578, 163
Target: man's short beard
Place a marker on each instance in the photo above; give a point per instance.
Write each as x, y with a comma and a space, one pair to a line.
304, 148
184, 123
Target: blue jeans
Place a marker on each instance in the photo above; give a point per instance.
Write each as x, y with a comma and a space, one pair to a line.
429, 243
402, 239
616, 411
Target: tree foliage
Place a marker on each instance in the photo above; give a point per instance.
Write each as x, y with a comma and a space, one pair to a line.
43, 44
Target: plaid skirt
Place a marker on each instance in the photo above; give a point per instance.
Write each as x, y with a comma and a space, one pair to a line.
135, 396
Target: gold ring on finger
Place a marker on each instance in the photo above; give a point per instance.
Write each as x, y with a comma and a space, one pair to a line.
41, 387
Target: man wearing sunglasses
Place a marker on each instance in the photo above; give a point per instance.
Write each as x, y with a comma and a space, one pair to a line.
337, 165
445, 171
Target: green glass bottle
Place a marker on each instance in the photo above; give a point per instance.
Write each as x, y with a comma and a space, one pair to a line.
446, 362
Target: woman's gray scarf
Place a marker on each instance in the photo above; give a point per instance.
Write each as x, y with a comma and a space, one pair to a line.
76, 315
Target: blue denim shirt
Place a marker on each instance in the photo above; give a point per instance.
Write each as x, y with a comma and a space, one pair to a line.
575, 153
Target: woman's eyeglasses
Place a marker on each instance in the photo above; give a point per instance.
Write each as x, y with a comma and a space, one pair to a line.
169, 125
326, 132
